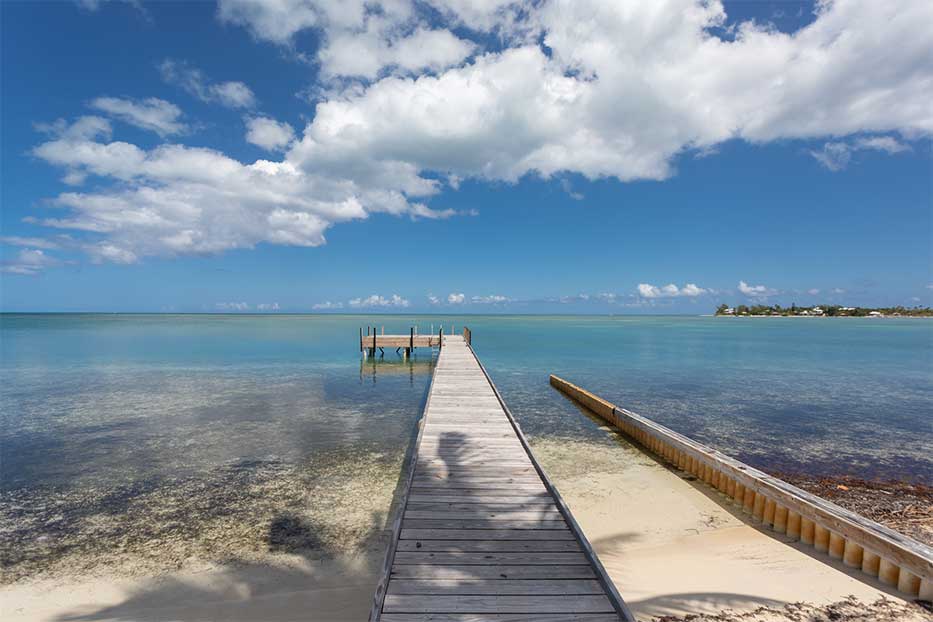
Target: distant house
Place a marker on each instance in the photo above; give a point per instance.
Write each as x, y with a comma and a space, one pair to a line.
875, 314
729, 311
816, 311
803, 312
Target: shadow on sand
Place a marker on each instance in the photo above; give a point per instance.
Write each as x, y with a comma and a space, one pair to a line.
311, 583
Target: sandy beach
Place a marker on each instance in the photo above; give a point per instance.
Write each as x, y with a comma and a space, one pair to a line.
290, 590
671, 546
674, 548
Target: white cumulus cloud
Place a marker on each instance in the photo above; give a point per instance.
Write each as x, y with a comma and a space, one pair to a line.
356, 41
489, 300
690, 290
29, 262
232, 306
328, 305
455, 299
152, 114
379, 301
233, 94
598, 88
756, 291
268, 133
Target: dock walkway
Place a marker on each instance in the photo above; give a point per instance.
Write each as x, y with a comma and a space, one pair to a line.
482, 534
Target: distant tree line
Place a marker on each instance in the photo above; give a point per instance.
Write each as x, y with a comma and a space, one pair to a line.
824, 310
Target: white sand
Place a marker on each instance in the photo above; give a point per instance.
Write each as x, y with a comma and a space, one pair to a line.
336, 590
675, 547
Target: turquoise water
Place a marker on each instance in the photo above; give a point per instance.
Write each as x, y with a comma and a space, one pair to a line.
270, 430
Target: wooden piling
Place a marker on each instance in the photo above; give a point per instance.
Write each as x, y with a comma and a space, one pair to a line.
836, 545
793, 525
821, 538
888, 572
780, 519
871, 563
853, 555
807, 531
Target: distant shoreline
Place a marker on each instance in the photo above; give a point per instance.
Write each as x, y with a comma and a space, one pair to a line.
827, 317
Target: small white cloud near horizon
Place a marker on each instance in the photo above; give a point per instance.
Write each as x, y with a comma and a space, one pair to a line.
324, 306
489, 300
233, 94
376, 300
813, 291
268, 133
455, 299
154, 114
232, 306
690, 290
838, 290
434, 300
756, 291
267, 306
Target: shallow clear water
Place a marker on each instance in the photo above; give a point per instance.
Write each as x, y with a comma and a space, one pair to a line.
207, 436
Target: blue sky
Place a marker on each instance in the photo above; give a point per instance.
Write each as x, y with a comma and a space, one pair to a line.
464, 157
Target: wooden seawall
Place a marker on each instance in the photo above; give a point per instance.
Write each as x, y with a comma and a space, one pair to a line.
481, 532
880, 552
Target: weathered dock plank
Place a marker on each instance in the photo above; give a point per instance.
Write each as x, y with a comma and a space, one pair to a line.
482, 534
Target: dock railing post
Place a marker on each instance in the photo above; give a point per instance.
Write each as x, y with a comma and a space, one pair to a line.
467, 335
361, 338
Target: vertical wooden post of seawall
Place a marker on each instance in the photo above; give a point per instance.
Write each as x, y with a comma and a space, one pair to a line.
821, 538
853, 555
770, 507
793, 525
837, 545
780, 519
739, 495
926, 589
888, 572
758, 509
749, 501
807, 530
871, 563
908, 582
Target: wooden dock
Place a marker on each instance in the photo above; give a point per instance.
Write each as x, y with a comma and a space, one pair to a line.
481, 533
